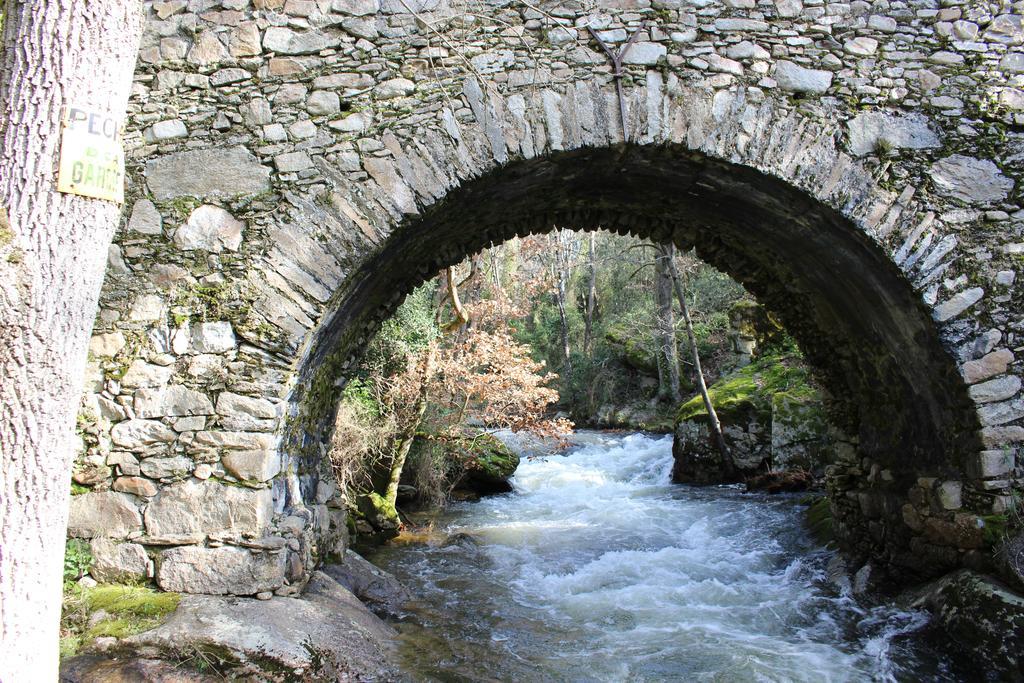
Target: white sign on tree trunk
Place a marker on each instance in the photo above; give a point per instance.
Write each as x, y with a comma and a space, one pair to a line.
91, 155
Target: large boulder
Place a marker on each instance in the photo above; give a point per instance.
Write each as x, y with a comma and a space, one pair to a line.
772, 419
984, 616
326, 631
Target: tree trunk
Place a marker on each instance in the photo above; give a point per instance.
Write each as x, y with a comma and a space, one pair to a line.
53, 251
713, 423
562, 277
408, 435
668, 349
588, 329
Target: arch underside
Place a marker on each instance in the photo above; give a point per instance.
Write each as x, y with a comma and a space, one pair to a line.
894, 388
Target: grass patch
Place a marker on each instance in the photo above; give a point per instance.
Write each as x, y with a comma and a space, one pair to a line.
115, 611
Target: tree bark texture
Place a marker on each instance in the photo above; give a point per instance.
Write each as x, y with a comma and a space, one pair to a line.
668, 349
714, 424
588, 330
53, 251
408, 435
561, 292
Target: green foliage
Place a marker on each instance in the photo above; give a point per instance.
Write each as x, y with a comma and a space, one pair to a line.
77, 559
115, 611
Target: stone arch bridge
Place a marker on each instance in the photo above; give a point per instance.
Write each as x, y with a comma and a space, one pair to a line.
297, 166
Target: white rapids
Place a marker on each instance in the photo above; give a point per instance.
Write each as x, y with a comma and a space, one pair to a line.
598, 569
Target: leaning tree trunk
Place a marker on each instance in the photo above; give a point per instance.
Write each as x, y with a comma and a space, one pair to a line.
588, 329
561, 292
668, 349
714, 424
53, 250
408, 435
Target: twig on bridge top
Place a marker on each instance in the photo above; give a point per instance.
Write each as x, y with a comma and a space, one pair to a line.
617, 74
454, 48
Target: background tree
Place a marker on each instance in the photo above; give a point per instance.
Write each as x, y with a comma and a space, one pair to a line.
53, 250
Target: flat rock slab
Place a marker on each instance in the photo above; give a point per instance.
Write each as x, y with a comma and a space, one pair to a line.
326, 618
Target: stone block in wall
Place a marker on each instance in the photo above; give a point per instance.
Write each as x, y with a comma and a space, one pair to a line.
115, 562
873, 130
143, 374
139, 434
106, 345
991, 463
105, 514
285, 41
796, 78
167, 468
172, 401
220, 571
206, 507
214, 337
210, 228
254, 466
205, 172
969, 180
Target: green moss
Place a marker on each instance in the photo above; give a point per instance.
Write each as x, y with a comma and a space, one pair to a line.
489, 458
78, 489
995, 528
115, 611
632, 350
749, 391
819, 520
6, 234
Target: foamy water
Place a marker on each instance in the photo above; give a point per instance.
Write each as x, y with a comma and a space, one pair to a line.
598, 569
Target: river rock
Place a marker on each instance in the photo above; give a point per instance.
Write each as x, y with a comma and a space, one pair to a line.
204, 507
378, 589
220, 571
326, 619
200, 173
114, 562
105, 514
984, 616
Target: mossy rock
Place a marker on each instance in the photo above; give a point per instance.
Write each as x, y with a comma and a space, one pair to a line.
749, 392
819, 520
379, 515
633, 351
110, 610
751, 320
487, 465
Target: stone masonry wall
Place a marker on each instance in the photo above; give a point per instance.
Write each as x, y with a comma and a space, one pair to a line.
278, 147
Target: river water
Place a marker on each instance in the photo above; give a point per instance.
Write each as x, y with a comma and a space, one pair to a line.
598, 569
